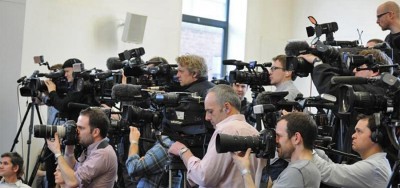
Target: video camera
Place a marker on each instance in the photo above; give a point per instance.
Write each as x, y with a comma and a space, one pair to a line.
251, 77
67, 132
34, 86
328, 51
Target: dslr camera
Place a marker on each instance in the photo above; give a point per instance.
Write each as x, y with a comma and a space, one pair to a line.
67, 132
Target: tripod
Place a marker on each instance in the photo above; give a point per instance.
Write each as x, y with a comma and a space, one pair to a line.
176, 165
31, 107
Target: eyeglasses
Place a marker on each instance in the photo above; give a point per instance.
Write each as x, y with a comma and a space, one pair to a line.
276, 68
380, 15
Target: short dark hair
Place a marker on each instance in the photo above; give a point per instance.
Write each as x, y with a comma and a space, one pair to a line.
16, 160
70, 62
304, 124
97, 119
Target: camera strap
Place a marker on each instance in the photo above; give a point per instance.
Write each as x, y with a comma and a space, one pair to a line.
103, 144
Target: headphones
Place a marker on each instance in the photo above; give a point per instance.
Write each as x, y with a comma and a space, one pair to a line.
376, 134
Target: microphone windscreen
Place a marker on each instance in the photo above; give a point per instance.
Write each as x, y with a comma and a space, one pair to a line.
295, 48
126, 92
113, 63
349, 80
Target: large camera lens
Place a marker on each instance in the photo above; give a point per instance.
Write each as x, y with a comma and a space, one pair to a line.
47, 131
67, 132
228, 143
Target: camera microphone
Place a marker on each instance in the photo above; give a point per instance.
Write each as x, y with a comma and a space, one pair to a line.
21, 79
233, 62
352, 80
114, 63
296, 48
126, 92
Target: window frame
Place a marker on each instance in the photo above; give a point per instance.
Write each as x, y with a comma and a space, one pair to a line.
224, 25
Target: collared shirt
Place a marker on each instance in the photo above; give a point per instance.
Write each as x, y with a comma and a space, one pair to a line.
373, 172
97, 167
152, 165
218, 169
18, 184
289, 87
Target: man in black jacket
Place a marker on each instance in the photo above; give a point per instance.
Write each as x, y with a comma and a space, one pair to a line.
61, 101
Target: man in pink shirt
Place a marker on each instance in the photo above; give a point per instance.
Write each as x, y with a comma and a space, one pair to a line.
222, 107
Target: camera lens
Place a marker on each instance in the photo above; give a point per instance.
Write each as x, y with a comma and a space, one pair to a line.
47, 131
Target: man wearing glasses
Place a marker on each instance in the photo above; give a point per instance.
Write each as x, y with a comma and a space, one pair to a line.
282, 79
388, 18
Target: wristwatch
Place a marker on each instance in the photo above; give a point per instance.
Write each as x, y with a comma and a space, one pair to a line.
182, 151
317, 61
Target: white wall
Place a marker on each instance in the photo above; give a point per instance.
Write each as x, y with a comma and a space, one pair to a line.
11, 32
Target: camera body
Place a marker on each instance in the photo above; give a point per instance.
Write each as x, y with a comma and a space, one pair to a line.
34, 86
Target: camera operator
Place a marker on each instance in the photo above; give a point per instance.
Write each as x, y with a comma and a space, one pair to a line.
374, 168
11, 170
388, 18
283, 79
222, 107
97, 165
61, 102
295, 136
192, 74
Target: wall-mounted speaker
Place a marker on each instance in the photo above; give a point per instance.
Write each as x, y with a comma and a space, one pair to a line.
134, 28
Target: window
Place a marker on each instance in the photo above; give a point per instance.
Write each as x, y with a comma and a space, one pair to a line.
205, 32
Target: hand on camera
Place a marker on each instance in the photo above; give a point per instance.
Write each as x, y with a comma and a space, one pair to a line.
50, 85
308, 57
175, 148
54, 144
242, 159
134, 134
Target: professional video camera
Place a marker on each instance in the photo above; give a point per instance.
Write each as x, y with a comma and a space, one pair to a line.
34, 86
263, 145
67, 132
251, 77
362, 101
132, 100
328, 51
183, 112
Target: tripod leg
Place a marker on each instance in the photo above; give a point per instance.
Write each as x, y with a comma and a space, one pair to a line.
20, 127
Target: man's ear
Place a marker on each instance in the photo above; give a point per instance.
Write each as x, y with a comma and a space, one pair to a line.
15, 168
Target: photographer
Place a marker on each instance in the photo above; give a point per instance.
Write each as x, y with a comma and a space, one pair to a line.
388, 18
97, 165
61, 102
283, 79
372, 171
215, 169
11, 170
295, 136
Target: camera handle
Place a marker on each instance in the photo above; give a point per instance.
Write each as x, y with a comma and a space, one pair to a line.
31, 107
